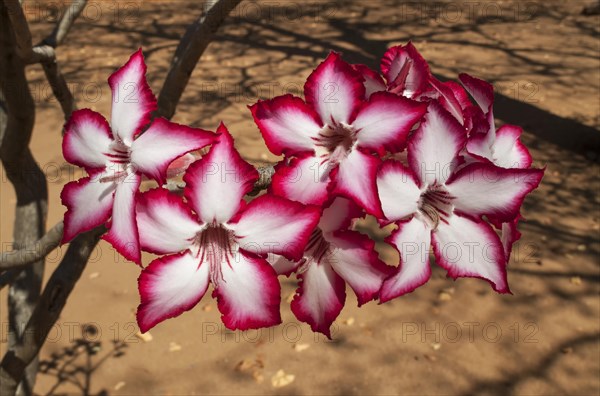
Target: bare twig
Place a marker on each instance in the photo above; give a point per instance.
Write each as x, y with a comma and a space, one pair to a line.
51, 68
60, 89
33, 252
265, 175
65, 23
188, 52
44, 53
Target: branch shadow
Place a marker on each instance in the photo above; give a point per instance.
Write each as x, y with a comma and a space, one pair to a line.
76, 364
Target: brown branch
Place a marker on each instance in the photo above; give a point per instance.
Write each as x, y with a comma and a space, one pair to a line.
188, 53
44, 53
23, 172
55, 78
33, 252
265, 175
8, 277
64, 25
23, 43
60, 89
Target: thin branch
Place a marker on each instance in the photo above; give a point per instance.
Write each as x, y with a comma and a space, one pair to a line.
265, 175
55, 78
33, 252
44, 53
60, 89
188, 53
64, 25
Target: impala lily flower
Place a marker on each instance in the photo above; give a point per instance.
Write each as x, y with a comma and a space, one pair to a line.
214, 237
116, 158
503, 146
406, 73
452, 97
333, 134
433, 203
333, 257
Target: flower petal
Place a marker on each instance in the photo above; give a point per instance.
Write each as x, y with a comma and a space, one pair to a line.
356, 178
373, 81
398, 190
510, 235
163, 142
383, 123
166, 225
89, 203
169, 286
448, 99
484, 189
354, 259
478, 123
480, 146
339, 215
466, 248
132, 100
412, 239
216, 184
509, 152
123, 232
435, 145
480, 90
281, 265
334, 90
304, 179
249, 294
87, 139
271, 224
320, 296
180, 165
287, 124
405, 70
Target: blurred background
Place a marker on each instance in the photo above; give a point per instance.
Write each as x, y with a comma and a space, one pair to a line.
448, 337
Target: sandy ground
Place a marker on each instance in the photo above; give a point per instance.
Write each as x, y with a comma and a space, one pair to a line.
446, 338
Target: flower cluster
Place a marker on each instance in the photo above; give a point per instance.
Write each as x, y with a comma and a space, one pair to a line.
399, 145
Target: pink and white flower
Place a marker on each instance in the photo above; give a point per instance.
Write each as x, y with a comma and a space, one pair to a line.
116, 158
333, 134
434, 203
502, 147
214, 237
333, 257
406, 74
